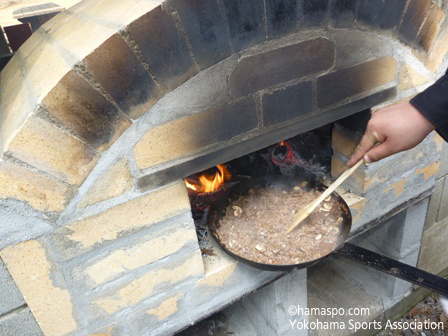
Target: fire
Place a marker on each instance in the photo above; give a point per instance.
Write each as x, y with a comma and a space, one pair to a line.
210, 183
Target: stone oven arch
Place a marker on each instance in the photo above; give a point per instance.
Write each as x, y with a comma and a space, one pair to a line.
110, 104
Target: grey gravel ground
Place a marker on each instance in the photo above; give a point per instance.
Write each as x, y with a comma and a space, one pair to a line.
429, 309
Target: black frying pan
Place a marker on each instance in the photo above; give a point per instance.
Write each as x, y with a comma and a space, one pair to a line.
356, 253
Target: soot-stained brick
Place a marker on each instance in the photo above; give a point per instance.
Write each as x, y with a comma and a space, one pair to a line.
85, 111
381, 14
355, 80
313, 13
413, 19
118, 70
430, 28
205, 28
281, 65
343, 13
163, 47
246, 22
184, 136
287, 103
281, 17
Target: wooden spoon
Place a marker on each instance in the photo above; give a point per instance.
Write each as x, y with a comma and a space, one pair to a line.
307, 210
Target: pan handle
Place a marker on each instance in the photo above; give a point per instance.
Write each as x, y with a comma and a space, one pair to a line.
395, 268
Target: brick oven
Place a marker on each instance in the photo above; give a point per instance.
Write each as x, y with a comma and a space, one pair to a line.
111, 104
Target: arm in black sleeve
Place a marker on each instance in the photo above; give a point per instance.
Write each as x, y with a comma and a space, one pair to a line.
433, 104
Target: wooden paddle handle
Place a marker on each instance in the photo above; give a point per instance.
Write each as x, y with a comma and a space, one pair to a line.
306, 211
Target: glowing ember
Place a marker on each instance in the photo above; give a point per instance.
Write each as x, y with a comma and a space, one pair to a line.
210, 183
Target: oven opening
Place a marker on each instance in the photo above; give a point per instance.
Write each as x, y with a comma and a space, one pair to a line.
307, 154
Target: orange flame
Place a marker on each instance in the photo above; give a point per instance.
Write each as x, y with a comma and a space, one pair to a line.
211, 183
282, 143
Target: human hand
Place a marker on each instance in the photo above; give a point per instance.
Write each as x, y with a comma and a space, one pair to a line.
395, 128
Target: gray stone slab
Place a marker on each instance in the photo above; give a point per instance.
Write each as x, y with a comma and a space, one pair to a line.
434, 203
20, 222
268, 310
443, 170
433, 255
329, 286
20, 322
400, 235
10, 296
443, 207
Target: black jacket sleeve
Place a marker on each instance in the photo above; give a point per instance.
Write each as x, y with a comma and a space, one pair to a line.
433, 104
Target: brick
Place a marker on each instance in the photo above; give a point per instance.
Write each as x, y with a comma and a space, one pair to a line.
443, 159
85, 111
369, 12
313, 13
356, 80
19, 97
217, 277
433, 257
167, 308
434, 203
98, 22
46, 147
281, 17
121, 220
117, 69
114, 182
356, 204
409, 78
165, 51
246, 22
10, 297
343, 13
379, 14
182, 136
150, 283
34, 274
344, 141
144, 252
287, 103
205, 29
363, 104
357, 181
19, 322
438, 51
41, 192
412, 20
281, 65
430, 28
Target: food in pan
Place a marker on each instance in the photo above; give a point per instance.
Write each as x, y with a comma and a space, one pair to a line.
255, 226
